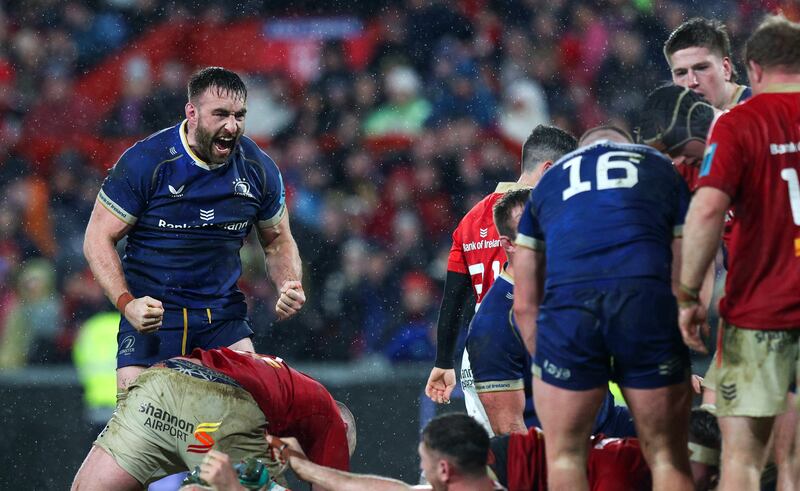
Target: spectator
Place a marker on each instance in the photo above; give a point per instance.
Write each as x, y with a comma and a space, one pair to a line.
32, 325
405, 110
411, 337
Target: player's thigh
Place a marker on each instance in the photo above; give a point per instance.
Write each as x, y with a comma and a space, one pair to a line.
570, 349
642, 334
755, 371
567, 415
745, 438
785, 427
126, 375
101, 472
661, 416
142, 435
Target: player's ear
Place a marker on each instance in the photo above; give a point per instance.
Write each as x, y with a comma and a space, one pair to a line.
191, 111
754, 71
445, 470
727, 68
507, 244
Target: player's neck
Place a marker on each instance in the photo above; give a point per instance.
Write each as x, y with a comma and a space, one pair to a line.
732, 94
528, 179
771, 81
478, 484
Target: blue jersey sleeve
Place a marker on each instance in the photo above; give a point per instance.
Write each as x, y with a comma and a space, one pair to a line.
273, 202
529, 232
125, 191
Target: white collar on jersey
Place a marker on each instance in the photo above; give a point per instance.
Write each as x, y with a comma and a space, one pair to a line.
197, 160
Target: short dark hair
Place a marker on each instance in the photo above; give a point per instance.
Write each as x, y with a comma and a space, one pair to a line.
224, 80
775, 43
503, 208
546, 143
703, 33
704, 429
605, 127
460, 438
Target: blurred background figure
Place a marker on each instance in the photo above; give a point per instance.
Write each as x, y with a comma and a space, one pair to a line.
32, 324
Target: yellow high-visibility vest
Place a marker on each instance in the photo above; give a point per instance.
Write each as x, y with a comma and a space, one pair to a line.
95, 358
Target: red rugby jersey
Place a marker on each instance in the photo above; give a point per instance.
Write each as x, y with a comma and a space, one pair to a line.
293, 403
753, 155
613, 464
618, 463
476, 249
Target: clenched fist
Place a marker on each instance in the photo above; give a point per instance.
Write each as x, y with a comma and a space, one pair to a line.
145, 314
291, 299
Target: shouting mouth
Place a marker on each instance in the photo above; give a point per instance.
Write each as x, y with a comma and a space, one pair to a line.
224, 144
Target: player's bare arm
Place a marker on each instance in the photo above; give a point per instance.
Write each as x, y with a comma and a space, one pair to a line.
528, 291
702, 231
324, 478
504, 410
102, 234
283, 267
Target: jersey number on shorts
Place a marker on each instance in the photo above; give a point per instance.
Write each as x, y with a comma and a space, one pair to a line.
479, 269
622, 162
790, 176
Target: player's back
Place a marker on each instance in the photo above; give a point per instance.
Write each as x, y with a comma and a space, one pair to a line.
754, 157
476, 248
293, 403
609, 211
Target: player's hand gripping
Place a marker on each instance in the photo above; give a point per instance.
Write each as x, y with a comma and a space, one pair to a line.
286, 451
216, 470
694, 326
441, 383
145, 314
291, 300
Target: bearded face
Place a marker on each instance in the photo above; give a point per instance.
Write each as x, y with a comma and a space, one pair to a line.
219, 125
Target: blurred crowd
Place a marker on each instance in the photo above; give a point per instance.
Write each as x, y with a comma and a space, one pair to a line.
380, 159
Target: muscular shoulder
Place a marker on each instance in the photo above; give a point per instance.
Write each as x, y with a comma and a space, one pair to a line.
253, 155
146, 155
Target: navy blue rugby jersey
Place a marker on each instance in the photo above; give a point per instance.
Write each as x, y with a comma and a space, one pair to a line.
606, 211
189, 219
